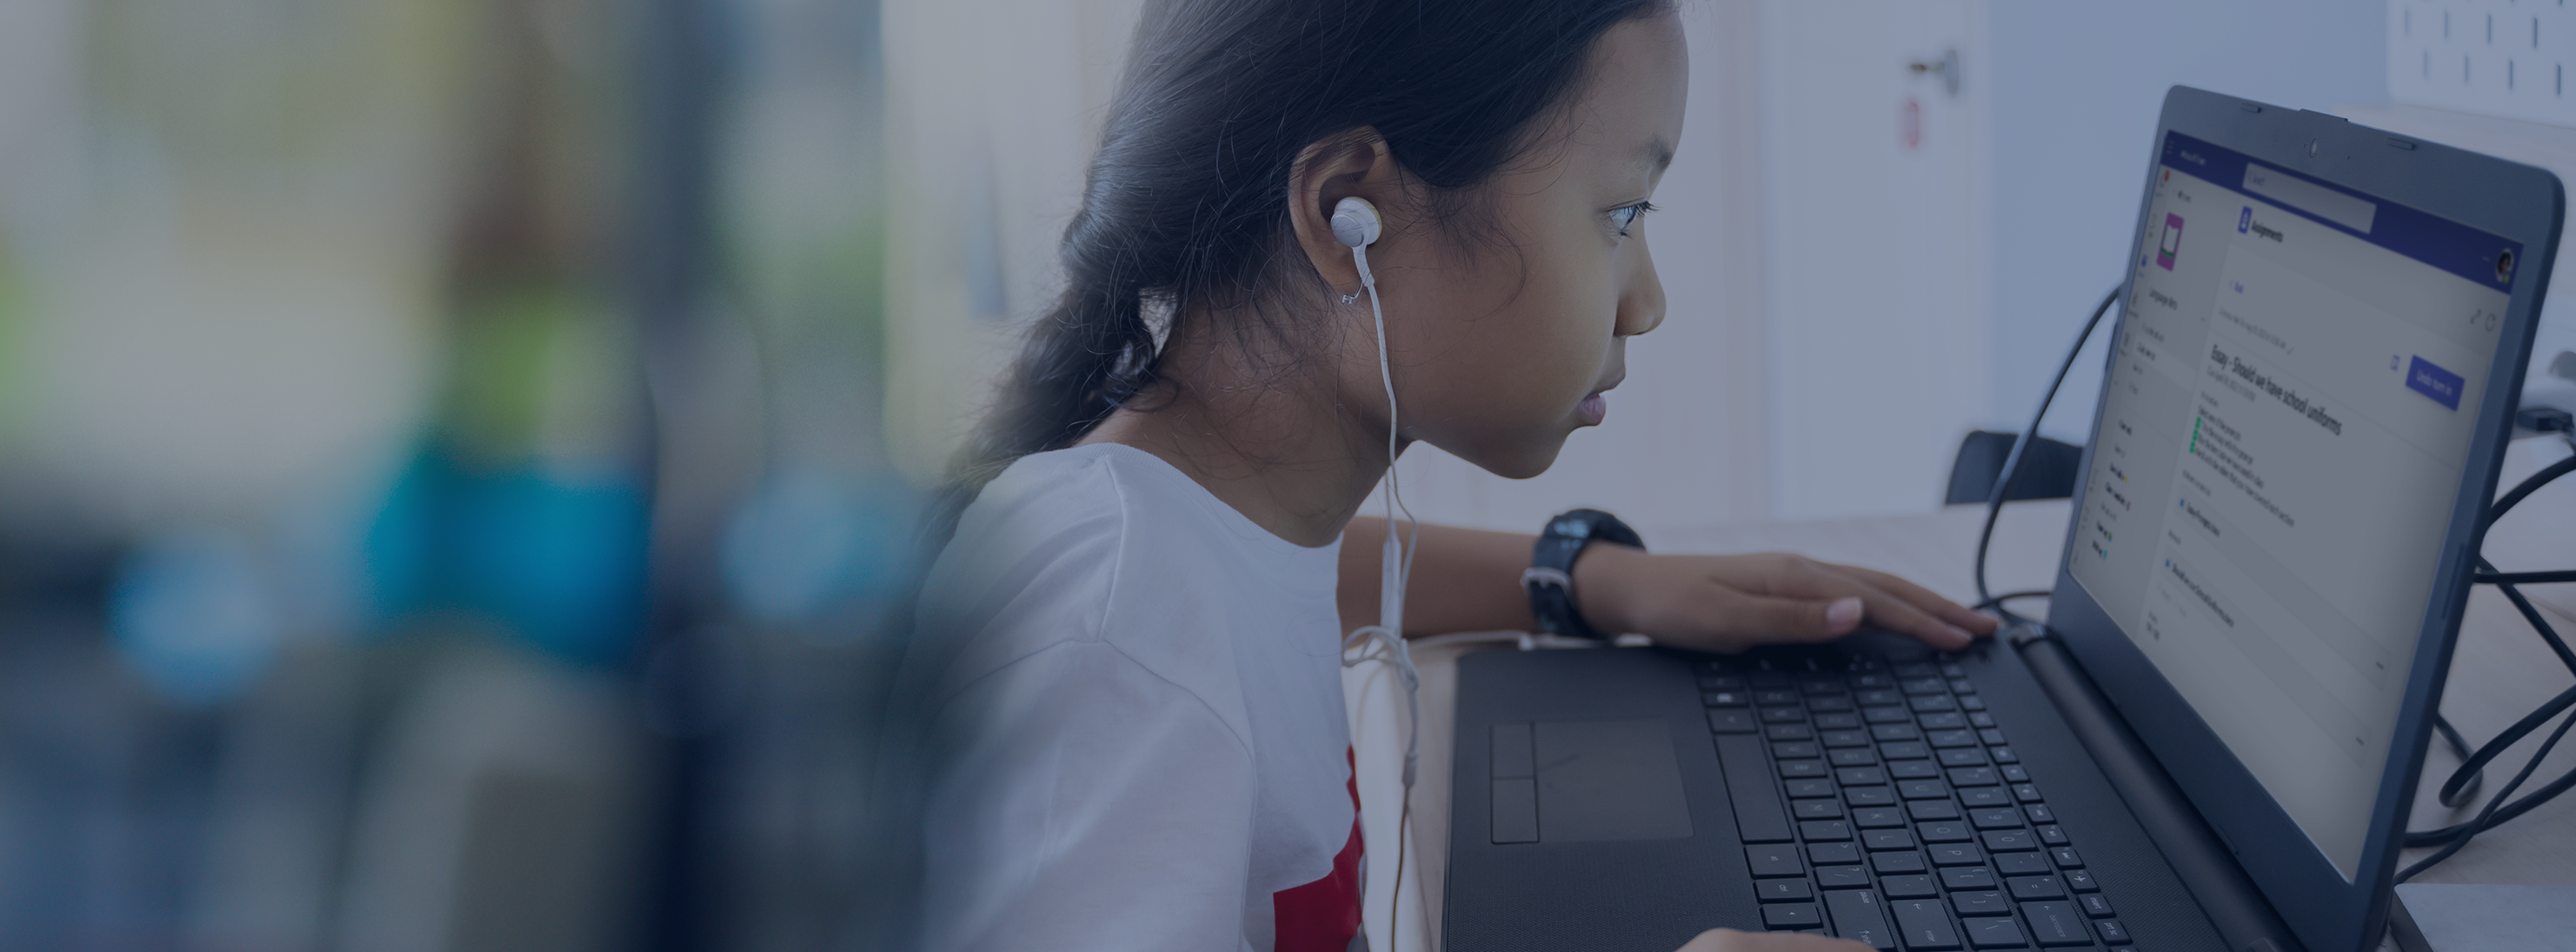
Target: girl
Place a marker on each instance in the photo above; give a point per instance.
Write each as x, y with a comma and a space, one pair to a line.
1128, 667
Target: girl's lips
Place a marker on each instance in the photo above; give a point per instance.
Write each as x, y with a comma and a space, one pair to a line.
1594, 409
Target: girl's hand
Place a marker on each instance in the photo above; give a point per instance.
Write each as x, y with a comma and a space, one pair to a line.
1729, 940
1727, 603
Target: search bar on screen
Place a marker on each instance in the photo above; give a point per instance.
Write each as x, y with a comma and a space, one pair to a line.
2310, 197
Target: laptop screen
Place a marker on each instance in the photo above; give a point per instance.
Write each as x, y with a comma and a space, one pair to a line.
2289, 413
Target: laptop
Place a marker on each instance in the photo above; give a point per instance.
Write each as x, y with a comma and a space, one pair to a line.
2214, 741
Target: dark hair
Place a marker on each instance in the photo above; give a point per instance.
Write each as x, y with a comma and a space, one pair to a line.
1186, 203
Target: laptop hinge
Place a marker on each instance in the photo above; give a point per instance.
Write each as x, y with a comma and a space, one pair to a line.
2204, 864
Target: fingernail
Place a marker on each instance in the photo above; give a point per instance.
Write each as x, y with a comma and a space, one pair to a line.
1843, 614
1958, 634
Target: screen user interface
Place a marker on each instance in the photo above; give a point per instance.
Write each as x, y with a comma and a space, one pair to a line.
2288, 417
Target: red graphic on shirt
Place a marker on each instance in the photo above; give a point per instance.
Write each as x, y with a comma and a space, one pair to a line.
1323, 915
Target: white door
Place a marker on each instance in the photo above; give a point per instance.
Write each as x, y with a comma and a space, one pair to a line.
1876, 266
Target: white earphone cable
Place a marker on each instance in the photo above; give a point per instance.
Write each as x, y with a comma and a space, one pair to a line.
1384, 641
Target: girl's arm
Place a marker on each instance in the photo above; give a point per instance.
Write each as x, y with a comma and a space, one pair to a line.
1469, 580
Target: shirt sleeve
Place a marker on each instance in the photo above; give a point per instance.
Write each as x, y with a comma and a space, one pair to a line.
1079, 801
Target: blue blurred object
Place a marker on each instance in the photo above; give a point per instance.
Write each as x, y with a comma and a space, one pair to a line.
191, 612
805, 541
560, 562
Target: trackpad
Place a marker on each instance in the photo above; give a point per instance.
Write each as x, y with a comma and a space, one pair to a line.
1609, 780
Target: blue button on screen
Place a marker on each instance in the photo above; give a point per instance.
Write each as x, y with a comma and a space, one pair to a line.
2432, 381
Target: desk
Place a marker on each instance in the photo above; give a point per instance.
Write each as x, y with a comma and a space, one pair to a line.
2499, 672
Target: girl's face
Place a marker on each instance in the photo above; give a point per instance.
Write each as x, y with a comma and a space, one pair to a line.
1503, 342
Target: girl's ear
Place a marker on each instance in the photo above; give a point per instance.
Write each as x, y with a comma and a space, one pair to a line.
1354, 163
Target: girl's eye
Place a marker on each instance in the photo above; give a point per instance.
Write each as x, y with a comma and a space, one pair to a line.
1627, 215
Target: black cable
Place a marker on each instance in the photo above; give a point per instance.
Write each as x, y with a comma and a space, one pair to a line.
2021, 441
2009, 596
2486, 817
2462, 785
2460, 749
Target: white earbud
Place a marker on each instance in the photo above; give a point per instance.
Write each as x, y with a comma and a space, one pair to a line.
1355, 222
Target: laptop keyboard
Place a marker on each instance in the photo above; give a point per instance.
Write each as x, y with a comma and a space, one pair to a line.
1879, 801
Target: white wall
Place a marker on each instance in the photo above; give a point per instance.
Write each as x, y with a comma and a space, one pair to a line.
2077, 88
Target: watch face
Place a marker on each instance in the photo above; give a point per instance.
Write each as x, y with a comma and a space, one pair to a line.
1571, 527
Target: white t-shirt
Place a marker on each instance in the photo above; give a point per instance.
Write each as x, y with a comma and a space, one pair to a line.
1136, 726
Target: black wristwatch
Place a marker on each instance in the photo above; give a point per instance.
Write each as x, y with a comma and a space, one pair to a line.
1550, 578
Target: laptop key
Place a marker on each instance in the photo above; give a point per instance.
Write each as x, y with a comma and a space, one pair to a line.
1950, 720
1972, 703
1996, 819
1759, 817
1971, 877
1870, 818
1972, 776
2112, 931
1725, 699
1791, 915
2014, 773
1799, 789
2004, 755
1886, 715
1991, 736
1906, 861
1998, 933
1883, 840
1857, 917
2056, 923
1932, 810
2021, 864
2026, 793
1945, 831
1842, 877
1860, 776
1801, 769
1797, 750
1851, 757
1821, 686
1730, 720
1816, 809
2066, 857
1963, 757
1977, 718
1775, 697
2003, 841
1926, 685
1893, 732
1923, 926
1846, 738
1980, 903
1907, 750
2034, 887
1833, 854
1782, 715
1976, 797
1913, 770
1881, 697
2080, 881
1869, 796
1837, 721
1932, 703
1789, 732
1824, 831
1783, 890
1923, 790
2095, 904
2052, 835
1774, 860
1953, 854
1908, 887
1824, 704
1957, 738
2039, 814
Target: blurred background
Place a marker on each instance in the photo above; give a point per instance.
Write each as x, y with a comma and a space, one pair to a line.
457, 457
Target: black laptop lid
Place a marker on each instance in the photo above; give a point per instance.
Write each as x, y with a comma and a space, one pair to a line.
2310, 389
